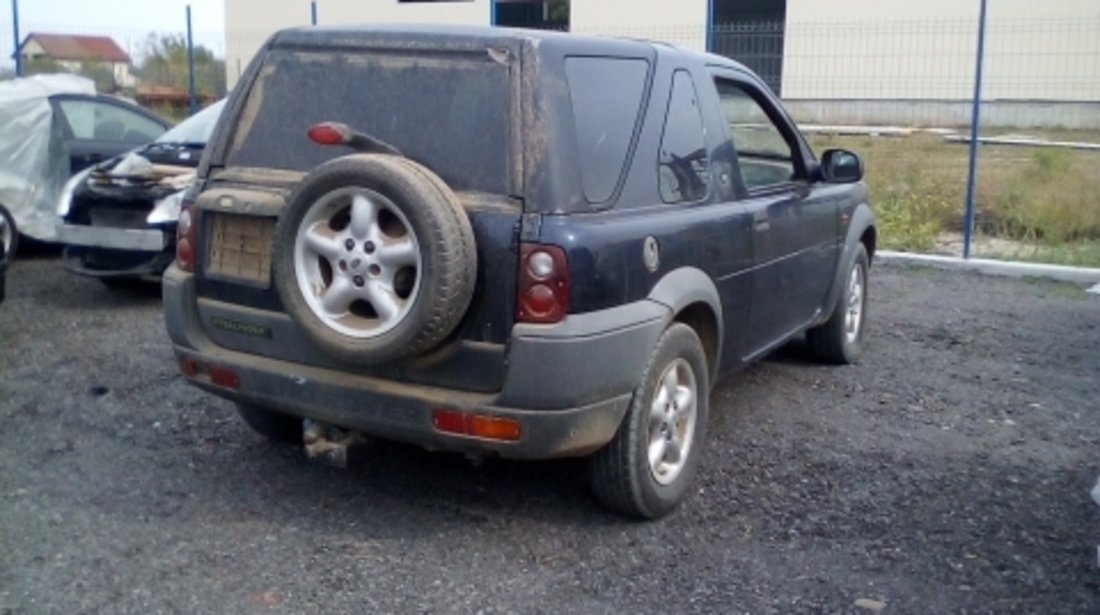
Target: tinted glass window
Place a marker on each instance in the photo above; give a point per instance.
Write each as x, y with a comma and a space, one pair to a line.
684, 166
101, 121
763, 153
197, 128
450, 112
607, 97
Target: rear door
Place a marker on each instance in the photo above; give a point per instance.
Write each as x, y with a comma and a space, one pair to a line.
794, 227
97, 128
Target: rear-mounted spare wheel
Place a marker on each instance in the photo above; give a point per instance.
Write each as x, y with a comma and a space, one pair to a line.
375, 258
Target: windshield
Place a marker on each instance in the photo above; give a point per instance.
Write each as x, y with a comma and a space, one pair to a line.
197, 128
449, 112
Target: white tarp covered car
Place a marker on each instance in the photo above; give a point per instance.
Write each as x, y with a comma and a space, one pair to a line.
52, 126
34, 165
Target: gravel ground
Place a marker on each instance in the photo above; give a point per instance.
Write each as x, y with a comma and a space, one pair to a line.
947, 473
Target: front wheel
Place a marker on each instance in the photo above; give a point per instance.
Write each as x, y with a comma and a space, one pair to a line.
648, 467
840, 339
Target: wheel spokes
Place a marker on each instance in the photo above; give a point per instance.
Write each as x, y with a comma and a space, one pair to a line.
657, 450
673, 450
364, 217
671, 383
322, 240
399, 253
685, 401
338, 297
383, 300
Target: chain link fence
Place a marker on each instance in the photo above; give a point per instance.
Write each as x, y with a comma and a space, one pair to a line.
149, 67
898, 92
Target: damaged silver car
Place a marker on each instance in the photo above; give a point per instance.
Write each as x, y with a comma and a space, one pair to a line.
118, 218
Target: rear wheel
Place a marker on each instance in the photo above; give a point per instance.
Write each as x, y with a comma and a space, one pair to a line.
648, 467
840, 340
273, 425
377, 260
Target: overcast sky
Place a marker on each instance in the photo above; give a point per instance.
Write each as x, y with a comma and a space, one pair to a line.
128, 21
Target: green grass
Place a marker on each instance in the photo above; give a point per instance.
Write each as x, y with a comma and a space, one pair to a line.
1035, 204
1059, 289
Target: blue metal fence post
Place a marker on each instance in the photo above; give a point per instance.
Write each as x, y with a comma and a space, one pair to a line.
15, 31
492, 12
975, 125
191, 64
313, 12
710, 26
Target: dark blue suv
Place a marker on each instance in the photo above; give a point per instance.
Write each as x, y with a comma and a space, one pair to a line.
509, 242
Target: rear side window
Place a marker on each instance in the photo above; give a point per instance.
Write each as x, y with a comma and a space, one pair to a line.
449, 112
684, 165
607, 97
98, 121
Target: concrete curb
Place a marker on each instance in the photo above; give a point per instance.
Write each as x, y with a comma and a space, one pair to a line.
1063, 273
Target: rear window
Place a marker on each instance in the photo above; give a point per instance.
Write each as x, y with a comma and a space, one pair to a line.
607, 96
449, 113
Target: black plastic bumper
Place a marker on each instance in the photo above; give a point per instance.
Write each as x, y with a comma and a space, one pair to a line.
568, 385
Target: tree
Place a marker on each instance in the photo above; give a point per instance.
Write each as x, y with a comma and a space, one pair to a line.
164, 62
99, 72
559, 11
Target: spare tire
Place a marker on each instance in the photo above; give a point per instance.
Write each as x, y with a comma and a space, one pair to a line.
374, 258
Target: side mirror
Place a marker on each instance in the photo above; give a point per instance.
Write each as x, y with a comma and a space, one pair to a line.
840, 166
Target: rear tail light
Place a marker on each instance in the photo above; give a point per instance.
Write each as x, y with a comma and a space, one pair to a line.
327, 133
218, 375
543, 287
476, 425
185, 236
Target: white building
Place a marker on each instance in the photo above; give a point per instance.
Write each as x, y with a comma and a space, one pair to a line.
831, 60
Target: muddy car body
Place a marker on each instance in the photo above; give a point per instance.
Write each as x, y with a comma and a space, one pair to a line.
52, 126
589, 251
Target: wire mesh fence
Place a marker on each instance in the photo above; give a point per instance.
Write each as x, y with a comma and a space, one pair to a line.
151, 67
898, 92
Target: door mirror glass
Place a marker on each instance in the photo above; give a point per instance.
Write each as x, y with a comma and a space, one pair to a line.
840, 166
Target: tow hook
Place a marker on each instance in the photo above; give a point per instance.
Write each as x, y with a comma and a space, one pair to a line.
330, 444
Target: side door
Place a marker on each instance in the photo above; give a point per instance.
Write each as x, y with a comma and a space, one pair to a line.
794, 225
96, 129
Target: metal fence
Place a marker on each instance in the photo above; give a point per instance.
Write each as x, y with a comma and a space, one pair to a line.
899, 93
174, 72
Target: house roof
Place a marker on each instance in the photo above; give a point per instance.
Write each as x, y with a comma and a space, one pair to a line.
76, 47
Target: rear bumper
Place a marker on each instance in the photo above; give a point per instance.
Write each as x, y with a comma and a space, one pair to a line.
568, 385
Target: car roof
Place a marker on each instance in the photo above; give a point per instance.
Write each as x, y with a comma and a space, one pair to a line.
413, 35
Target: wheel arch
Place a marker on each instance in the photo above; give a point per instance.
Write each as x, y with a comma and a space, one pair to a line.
861, 230
692, 298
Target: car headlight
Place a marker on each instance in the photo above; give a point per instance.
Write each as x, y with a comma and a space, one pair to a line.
66, 199
166, 209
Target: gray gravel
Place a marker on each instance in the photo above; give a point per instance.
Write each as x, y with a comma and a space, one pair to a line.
947, 473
